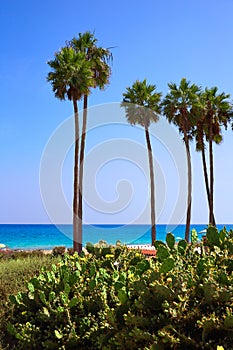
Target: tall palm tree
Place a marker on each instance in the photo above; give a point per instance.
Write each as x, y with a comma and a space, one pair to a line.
98, 58
179, 107
217, 112
199, 134
71, 78
142, 104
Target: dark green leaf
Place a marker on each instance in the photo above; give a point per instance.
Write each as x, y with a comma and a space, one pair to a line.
73, 302
201, 265
143, 266
42, 297
162, 253
182, 246
51, 296
92, 284
167, 265
170, 239
228, 322
122, 295
213, 236
67, 289
157, 244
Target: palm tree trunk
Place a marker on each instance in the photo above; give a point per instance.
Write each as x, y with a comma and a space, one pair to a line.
76, 238
81, 166
211, 212
206, 178
152, 186
189, 199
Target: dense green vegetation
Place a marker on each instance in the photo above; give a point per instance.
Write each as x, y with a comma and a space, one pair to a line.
16, 269
115, 298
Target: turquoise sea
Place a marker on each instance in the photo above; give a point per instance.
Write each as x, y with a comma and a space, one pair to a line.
25, 236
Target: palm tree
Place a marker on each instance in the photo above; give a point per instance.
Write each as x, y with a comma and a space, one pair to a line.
199, 134
71, 77
98, 58
180, 108
217, 112
142, 104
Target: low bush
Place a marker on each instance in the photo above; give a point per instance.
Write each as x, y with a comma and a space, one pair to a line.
20, 254
59, 251
115, 298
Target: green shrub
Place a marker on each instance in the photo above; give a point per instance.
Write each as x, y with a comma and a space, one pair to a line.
15, 271
115, 298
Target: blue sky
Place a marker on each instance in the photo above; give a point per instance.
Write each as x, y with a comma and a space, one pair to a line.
162, 41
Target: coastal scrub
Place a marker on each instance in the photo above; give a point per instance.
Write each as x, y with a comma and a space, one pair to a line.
115, 298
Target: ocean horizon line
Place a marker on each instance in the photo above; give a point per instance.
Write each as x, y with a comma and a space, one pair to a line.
114, 224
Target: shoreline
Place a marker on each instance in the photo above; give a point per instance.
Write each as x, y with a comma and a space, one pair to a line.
146, 249
130, 246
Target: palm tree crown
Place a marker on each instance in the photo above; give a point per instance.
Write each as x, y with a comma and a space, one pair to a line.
98, 57
71, 74
142, 103
181, 105
216, 109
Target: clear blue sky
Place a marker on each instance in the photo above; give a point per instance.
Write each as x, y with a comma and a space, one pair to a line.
162, 41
